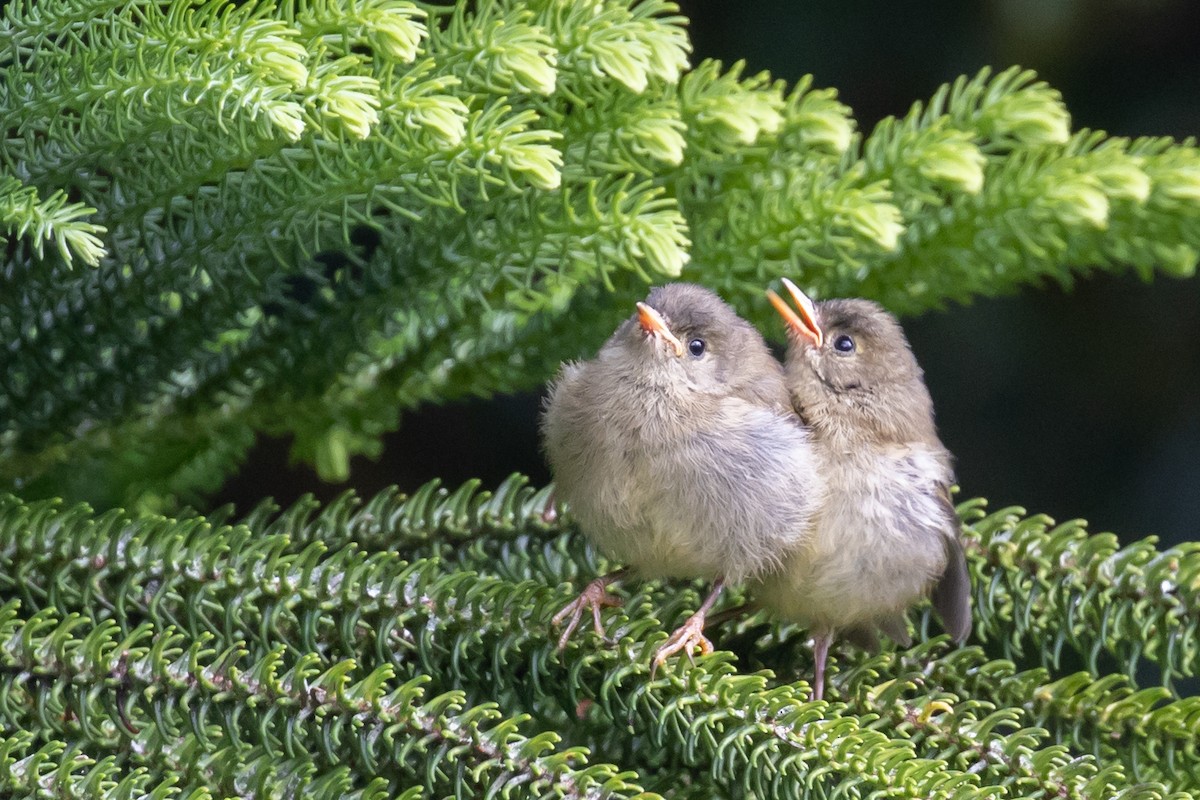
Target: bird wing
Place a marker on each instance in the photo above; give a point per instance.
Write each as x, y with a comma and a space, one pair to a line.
952, 592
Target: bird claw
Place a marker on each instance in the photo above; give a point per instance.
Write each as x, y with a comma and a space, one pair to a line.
687, 636
594, 596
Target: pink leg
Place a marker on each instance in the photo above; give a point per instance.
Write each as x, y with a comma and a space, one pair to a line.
691, 633
821, 642
594, 596
550, 510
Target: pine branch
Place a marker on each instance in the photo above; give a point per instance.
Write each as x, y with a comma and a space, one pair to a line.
451, 200
22, 211
67, 770
431, 517
1096, 585
305, 219
293, 586
1104, 715
160, 685
1041, 587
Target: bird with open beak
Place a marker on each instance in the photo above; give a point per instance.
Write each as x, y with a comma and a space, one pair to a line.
678, 453
886, 534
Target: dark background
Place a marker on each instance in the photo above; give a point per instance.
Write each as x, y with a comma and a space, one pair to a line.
1079, 403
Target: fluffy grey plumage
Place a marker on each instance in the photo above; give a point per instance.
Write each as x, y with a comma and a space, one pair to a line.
886, 535
676, 447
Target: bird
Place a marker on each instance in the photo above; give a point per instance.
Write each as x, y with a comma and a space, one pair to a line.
886, 534
677, 451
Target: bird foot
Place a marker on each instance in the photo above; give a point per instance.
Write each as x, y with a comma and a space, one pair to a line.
594, 596
687, 636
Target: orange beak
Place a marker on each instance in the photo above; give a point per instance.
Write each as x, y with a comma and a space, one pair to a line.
804, 323
653, 324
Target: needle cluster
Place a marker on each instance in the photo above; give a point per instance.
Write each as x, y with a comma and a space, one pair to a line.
399, 647
300, 219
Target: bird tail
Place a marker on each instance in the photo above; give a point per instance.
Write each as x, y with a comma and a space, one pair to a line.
952, 592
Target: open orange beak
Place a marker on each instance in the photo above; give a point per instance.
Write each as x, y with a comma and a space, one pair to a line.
804, 323
653, 324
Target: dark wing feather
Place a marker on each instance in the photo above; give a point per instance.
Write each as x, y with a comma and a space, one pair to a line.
952, 592
896, 627
864, 638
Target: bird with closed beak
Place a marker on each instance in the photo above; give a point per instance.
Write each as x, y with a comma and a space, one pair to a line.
886, 534
678, 453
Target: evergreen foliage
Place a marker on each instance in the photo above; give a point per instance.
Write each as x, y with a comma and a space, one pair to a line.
301, 220
402, 644
222, 220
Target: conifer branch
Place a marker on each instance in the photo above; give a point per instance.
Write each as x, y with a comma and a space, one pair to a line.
303, 219
1151, 735
1040, 587
159, 685
452, 200
293, 586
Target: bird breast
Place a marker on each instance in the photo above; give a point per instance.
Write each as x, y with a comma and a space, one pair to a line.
876, 544
673, 492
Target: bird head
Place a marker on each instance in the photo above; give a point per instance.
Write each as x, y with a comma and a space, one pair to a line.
685, 336
849, 367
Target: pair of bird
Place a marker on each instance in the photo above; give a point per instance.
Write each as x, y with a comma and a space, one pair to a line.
686, 450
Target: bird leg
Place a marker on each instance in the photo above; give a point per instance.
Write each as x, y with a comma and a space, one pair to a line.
550, 510
594, 596
821, 642
691, 633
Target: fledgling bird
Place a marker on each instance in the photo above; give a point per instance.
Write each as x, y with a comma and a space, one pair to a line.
679, 454
887, 534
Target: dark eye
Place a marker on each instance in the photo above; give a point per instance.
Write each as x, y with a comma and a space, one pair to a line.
843, 344
696, 347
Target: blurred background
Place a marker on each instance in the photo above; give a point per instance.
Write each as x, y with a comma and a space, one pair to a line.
1076, 403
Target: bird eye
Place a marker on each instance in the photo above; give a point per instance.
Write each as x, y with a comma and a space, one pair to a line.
843, 344
696, 347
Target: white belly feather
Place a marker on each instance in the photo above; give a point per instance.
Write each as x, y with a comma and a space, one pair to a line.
876, 545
